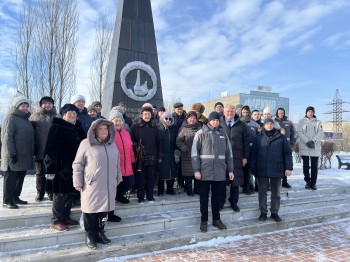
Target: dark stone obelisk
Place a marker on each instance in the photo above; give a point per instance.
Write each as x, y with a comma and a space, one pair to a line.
133, 74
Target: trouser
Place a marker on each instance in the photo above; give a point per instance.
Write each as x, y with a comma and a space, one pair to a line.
169, 186
188, 184
217, 188
234, 195
61, 206
248, 178
94, 222
126, 185
12, 185
306, 169
180, 177
40, 177
145, 182
263, 184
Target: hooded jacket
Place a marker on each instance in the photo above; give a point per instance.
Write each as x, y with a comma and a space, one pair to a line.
271, 155
97, 169
17, 137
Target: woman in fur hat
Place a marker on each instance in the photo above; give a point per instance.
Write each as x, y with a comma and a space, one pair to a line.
199, 108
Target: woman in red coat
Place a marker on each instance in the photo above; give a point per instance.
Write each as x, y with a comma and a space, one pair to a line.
127, 157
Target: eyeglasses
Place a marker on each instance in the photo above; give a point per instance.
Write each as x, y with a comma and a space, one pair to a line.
167, 118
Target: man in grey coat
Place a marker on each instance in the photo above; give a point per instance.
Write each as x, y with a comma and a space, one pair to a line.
211, 158
42, 121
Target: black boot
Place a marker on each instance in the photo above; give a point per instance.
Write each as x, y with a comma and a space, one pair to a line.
19, 201
90, 241
101, 238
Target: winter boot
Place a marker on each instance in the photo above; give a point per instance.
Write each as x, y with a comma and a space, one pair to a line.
90, 241
101, 238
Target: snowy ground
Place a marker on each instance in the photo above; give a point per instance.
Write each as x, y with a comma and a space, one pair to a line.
296, 180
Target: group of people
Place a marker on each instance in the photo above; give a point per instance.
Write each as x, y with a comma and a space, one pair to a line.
81, 156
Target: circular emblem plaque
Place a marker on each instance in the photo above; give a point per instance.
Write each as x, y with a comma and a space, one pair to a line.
140, 92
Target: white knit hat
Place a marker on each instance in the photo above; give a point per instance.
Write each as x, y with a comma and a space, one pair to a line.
266, 110
147, 105
115, 114
19, 100
76, 98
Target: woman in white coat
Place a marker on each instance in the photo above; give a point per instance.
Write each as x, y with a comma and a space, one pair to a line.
96, 174
310, 132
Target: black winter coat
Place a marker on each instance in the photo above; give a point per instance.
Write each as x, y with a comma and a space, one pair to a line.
61, 147
184, 142
148, 133
271, 156
178, 120
85, 120
239, 137
167, 168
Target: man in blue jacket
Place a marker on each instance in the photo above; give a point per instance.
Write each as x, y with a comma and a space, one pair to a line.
271, 159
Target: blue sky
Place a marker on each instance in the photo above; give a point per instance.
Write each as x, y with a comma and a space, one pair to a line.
299, 48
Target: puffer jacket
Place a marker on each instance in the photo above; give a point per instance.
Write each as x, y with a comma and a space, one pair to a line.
211, 154
184, 141
85, 120
17, 137
97, 169
127, 156
310, 129
42, 122
271, 156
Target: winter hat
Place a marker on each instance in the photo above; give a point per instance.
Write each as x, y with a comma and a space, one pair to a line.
310, 108
213, 115
91, 107
147, 108
218, 104
191, 113
121, 104
246, 107
19, 100
46, 99
68, 107
166, 114
266, 110
198, 107
115, 114
96, 103
119, 108
161, 109
148, 105
178, 104
76, 98
268, 120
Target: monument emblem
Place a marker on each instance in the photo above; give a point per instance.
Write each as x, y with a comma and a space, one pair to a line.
139, 92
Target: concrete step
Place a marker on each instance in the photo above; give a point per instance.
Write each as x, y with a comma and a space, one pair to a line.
132, 244
13, 239
36, 214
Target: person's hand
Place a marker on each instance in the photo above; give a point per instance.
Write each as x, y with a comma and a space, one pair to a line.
231, 175
288, 173
244, 161
159, 161
79, 188
13, 158
310, 144
198, 175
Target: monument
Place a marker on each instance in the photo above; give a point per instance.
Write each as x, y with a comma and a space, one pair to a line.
132, 73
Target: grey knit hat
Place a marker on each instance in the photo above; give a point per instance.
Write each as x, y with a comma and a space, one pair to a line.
19, 100
115, 114
76, 98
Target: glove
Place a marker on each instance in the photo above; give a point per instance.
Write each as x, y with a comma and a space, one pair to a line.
13, 158
310, 144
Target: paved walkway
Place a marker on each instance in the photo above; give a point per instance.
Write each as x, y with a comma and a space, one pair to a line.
322, 242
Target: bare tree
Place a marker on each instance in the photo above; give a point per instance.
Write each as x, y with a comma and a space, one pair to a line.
104, 30
23, 56
168, 104
52, 48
